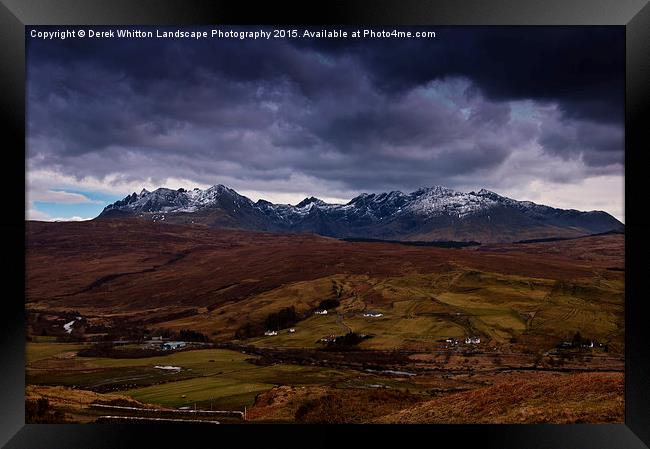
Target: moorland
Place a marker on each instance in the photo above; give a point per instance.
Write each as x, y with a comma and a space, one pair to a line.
493, 333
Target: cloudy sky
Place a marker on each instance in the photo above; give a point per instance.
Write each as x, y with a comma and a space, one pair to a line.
532, 113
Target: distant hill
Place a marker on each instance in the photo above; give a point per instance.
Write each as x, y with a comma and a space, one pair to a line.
428, 214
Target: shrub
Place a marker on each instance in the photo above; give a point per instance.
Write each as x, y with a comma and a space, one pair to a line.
245, 331
322, 410
190, 335
577, 339
282, 319
106, 349
328, 304
347, 341
102, 349
39, 411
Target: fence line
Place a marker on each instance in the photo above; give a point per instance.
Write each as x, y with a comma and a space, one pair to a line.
140, 418
163, 410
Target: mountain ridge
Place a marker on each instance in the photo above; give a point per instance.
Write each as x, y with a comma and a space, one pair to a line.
429, 213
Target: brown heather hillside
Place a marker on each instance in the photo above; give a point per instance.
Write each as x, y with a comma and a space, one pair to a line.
137, 266
533, 398
215, 281
516, 397
550, 317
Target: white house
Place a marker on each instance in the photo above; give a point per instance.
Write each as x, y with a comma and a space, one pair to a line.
292, 330
373, 314
174, 345
270, 333
321, 312
472, 340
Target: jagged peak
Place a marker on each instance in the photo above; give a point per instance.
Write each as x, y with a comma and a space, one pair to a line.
161, 190
435, 190
220, 188
361, 197
485, 192
383, 196
310, 200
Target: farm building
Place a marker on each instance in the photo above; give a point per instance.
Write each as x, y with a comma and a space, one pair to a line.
472, 340
170, 345
373, 314
321, 312
270, 333
328, 339
292, 330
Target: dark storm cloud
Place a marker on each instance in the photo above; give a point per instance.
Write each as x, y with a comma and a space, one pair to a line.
361, 114
580, 68
597, 144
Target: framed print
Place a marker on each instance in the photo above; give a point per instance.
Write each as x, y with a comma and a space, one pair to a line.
337, 222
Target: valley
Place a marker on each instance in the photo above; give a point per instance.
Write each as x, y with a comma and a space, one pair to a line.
421, 332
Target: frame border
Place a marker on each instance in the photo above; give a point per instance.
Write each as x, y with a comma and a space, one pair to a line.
633, 14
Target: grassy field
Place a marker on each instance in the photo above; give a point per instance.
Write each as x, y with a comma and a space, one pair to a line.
224, 321
41, 351
211, 377
234, 389
222, 393
46, 366
421, 310
307, 334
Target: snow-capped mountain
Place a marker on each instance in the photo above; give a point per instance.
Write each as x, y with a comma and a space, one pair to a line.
435, 213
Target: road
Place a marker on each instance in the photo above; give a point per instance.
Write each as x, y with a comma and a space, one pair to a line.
339, 321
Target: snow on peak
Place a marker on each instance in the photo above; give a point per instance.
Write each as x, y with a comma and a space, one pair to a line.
168, 201
426, 201
219, 188
439, 200
311, 200
435, 190
488, 193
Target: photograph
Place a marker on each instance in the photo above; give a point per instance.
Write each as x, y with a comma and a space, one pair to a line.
305, 224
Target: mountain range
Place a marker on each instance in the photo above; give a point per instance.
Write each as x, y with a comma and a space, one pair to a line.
428, 214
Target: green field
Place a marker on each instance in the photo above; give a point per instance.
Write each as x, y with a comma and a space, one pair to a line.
420, 310
41, 351
219, 378
234, 389
220, 392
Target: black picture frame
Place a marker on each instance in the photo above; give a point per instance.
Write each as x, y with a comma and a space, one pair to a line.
634, 15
